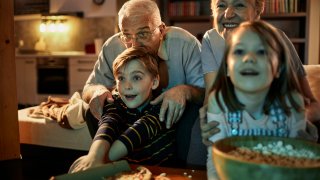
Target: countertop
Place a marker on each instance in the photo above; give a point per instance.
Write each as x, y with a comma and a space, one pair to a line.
55, 54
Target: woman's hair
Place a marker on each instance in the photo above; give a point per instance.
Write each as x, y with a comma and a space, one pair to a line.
280, 88
134, 8
151, 62
259, 6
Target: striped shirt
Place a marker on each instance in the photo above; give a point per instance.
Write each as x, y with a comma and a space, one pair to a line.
147, 140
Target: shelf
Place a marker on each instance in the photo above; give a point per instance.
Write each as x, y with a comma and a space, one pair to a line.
293, 21
283, 15
298, 40
190, 18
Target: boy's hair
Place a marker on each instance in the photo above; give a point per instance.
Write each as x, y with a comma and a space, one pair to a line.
280, 88
148, 60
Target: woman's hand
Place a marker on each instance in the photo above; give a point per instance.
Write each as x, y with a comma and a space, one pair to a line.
313, 112
310, 134
207, 129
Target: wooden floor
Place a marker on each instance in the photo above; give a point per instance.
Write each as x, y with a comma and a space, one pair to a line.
38, 162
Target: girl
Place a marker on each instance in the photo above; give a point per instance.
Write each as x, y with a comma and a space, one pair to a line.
256, 92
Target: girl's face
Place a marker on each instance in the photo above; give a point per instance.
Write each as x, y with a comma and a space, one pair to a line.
251, 65
228, 14
135, 83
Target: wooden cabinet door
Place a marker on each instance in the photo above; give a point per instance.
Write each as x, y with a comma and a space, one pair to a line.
79, 70
26, 81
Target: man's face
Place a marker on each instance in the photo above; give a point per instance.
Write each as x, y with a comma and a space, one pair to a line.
140, 31
228, 14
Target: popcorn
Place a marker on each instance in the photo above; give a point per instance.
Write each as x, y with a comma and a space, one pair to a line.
279, 148
277, 153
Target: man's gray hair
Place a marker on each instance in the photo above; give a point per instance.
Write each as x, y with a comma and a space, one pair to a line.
140, 7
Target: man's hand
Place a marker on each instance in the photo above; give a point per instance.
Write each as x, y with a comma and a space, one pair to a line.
207, 129
173, 104
97, 101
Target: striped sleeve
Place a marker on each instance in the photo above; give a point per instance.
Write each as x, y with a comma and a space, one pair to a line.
143, 130
111, 124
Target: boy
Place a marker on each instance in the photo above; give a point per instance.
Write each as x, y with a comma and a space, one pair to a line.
130, 126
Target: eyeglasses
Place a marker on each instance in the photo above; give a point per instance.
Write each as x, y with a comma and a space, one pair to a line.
143, 35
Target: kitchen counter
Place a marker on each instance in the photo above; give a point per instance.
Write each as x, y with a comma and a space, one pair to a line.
56, 54
57, 74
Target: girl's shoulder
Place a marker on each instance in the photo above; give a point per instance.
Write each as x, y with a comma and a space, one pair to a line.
213, 106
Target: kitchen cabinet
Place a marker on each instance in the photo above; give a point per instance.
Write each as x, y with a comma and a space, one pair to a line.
23, 7
26, 77
79, 70
28, 73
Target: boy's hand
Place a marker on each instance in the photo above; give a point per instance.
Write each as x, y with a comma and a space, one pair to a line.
84, 163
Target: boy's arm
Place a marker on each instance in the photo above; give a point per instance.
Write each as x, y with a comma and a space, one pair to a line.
96, 157
117, 151
144, 129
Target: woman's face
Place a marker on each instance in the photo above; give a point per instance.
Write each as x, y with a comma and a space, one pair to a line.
251, 65
228, 14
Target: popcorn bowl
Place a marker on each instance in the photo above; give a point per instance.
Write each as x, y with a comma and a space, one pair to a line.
231, 166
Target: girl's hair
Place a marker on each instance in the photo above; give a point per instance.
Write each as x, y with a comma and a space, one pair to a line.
148, 60
140, 7
281, 87
259, 6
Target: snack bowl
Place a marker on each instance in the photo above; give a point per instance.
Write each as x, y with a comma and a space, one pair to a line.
230, 164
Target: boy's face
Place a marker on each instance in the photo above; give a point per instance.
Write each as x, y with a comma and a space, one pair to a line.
135, 83
141, 32
251, 66
228, 14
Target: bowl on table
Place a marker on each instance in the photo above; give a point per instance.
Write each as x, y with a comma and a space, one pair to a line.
231, 165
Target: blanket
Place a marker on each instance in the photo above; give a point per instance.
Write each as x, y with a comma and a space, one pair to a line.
67, 112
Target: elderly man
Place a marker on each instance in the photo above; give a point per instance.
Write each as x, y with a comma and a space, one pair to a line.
141, 26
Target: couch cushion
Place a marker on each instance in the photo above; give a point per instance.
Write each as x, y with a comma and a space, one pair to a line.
313, 76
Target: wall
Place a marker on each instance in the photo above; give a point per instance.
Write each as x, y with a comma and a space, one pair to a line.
314, 33
108, 8
9, 130
81, 31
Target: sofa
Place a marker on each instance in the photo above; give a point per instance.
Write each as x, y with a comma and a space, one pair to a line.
313, 76
197, 151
